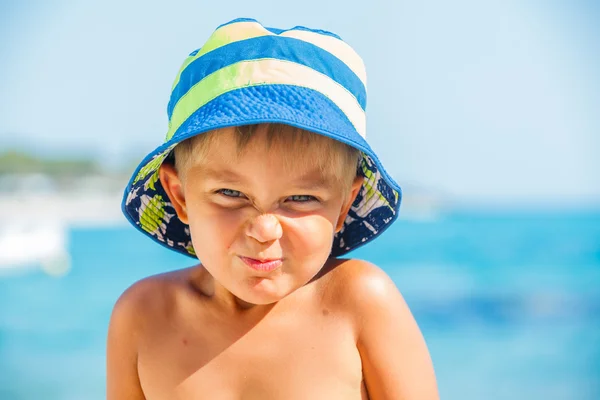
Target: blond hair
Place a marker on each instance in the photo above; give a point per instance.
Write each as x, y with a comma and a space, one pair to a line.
332, 157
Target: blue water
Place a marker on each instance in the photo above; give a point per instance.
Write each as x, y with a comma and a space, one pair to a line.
509, 306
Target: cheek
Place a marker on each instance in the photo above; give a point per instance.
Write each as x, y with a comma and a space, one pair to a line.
309, 236
213, 230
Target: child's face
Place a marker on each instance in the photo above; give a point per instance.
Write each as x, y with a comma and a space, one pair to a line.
249, 206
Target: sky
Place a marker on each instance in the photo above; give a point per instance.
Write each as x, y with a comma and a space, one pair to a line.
487, 103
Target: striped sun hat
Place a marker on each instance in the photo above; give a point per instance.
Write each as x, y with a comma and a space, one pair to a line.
248, 74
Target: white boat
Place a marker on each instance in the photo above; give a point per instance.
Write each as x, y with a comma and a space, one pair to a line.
42, 245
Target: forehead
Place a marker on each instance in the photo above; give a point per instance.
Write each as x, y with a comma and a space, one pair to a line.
287, 150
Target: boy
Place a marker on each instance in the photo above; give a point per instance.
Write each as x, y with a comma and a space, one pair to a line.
266, 178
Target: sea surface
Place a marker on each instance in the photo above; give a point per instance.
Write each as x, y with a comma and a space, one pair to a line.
509, 305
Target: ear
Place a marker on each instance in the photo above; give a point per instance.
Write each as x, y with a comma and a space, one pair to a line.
355, 188
173, 186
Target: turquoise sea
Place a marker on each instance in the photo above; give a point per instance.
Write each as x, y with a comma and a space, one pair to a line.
509, 305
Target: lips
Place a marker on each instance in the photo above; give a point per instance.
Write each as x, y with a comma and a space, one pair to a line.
266, 265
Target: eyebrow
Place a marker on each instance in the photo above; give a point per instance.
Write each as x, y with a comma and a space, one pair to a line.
223, 175
314, 180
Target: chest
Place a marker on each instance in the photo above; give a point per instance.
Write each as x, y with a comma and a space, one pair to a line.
271, 360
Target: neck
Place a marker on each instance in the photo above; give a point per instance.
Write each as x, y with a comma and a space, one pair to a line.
204, 283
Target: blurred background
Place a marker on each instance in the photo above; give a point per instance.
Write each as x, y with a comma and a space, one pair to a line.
487, 113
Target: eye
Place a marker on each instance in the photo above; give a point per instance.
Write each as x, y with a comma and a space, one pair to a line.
230, 193
302, 198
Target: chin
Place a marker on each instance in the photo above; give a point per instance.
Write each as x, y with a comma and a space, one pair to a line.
263, 292
257, 301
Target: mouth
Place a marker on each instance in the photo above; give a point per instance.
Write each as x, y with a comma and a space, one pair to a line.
266, 265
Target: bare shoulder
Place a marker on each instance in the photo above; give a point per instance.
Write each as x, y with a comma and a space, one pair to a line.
368, 294
395, 358
147, 298
361, 285
148, 301
145, 302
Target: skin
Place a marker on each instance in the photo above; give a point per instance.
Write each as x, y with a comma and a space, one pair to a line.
315, 327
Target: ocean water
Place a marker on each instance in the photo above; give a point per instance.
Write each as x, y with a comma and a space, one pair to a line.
508, 304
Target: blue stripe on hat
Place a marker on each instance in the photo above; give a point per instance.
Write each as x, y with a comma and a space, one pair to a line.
282, 48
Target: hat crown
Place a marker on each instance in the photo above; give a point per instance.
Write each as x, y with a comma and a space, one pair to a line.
244, 53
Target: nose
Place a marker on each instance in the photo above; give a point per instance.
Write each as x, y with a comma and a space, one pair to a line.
264, 228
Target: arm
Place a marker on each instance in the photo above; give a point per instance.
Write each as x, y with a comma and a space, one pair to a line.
122, 382
396, 362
